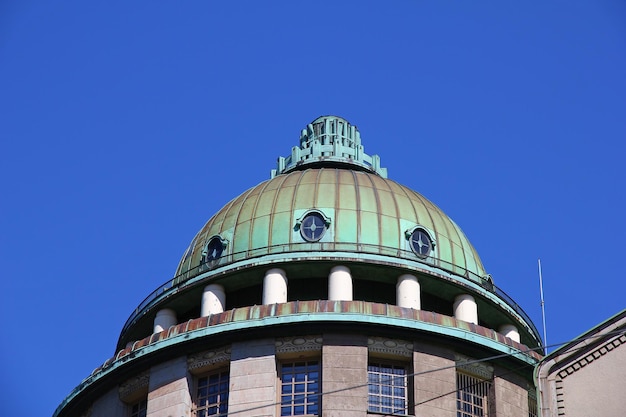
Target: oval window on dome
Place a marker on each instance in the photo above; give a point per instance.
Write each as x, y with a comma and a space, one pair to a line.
421, 243
313, 227
213, 251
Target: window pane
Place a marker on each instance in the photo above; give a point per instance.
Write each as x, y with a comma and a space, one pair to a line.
472, 392
299, 388
139, 408
212, 395
387, 388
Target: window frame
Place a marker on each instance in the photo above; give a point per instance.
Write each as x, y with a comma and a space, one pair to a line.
287, 397
141, 406
223, 378
431, 241
533, 406
407, 385
478, 388
302, 229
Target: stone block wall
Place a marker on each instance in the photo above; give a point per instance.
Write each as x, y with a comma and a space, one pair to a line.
434, 381
169, 392
254, 381
253, 378
344, 375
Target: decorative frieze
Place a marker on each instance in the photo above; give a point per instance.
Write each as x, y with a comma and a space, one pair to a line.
472, 367
208, 358
392, 347
593, 355
130, 387
298, 344
560, 397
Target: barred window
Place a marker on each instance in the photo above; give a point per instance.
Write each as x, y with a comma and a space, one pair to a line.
139, 408
387, 388
212, 395
300, 387
472, 396
532, 403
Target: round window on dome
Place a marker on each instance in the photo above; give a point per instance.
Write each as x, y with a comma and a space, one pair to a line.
421, 243
313, 227
213, 251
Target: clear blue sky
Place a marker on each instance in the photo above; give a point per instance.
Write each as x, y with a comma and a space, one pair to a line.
125, 126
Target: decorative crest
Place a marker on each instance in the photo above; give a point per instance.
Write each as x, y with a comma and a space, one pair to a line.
329, 141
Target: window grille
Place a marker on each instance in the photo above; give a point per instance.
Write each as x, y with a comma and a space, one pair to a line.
472, 396
532, 403
212, 395
300, 387
387, 389
139, 408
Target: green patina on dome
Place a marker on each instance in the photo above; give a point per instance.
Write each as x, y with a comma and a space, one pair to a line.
367, 213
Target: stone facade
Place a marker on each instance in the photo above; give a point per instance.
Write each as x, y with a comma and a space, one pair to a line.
169, 392
254, 388
510, 400
253, 378
107, 405
435, 380
344, 375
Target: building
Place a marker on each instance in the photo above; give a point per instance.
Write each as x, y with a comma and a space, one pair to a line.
585, 377
326, 290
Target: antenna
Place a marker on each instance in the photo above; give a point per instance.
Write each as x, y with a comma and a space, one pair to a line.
543, 308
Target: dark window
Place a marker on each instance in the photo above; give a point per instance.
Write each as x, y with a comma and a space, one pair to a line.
532, 403
139, 408
213, 251
212, 395
420, 242
313, 227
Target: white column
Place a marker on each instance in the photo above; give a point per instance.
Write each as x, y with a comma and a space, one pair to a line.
340, 284
213, 300
408, 292
275, 286
510, 331
465, 308
164, 319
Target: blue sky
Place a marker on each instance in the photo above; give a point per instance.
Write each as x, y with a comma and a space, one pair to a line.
125, 126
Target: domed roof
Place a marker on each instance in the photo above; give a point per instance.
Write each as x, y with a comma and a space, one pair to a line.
363, 213
330, 205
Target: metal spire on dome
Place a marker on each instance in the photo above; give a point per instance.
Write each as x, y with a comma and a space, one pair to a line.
329, 141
